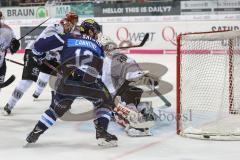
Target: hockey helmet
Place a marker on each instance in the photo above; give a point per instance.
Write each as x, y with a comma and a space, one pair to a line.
90, 27
72, 17
67, 25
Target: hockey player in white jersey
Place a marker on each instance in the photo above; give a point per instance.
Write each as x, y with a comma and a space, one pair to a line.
119, 71
53, 57
8, 42
31, 67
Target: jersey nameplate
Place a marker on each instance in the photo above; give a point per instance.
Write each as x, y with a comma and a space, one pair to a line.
83, 43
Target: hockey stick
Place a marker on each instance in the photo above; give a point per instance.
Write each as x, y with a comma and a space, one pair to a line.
34, 29
8, 81
25, 36
152, 83
167, 103
30, 31
53, 68
145, 38
14, 62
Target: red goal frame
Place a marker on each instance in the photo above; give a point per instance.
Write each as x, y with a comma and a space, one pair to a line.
178, 77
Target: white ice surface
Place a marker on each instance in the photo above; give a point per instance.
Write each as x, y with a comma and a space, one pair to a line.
76, 140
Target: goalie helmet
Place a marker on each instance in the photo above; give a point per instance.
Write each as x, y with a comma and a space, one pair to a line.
108, 44
104, 39
90, 27
72, 17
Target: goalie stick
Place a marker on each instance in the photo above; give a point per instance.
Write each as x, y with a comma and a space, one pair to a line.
167, 103
145, 38
8, 81
157, 92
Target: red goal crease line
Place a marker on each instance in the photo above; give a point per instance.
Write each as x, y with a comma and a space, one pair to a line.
160, 51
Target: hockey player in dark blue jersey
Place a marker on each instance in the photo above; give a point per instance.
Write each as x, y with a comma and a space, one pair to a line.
82, 60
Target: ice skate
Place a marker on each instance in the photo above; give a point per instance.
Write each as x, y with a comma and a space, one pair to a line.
6, 110
33, 136
35, 95
103, 137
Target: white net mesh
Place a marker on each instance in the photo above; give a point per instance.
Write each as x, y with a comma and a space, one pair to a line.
210, 86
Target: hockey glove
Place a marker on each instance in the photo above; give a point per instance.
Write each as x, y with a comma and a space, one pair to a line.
14, 45
39, 58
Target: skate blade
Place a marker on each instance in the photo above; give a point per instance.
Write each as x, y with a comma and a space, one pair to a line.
103, 143
40, 100
4, 113
27, 145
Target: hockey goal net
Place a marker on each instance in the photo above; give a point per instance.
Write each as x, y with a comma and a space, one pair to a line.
208, 85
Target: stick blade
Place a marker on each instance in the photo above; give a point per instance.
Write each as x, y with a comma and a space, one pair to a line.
8, 81
144, 39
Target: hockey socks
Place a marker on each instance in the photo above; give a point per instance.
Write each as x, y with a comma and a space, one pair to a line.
18, 92
47, 119
41, 84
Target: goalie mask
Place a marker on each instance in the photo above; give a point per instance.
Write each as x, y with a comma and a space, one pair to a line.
108, 44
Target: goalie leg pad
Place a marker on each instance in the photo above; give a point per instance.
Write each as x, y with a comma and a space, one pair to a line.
135, 119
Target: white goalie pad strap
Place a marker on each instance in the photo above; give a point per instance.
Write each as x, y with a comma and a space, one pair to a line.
132, 132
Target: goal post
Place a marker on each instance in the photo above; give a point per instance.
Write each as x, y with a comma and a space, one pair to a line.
208, 85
